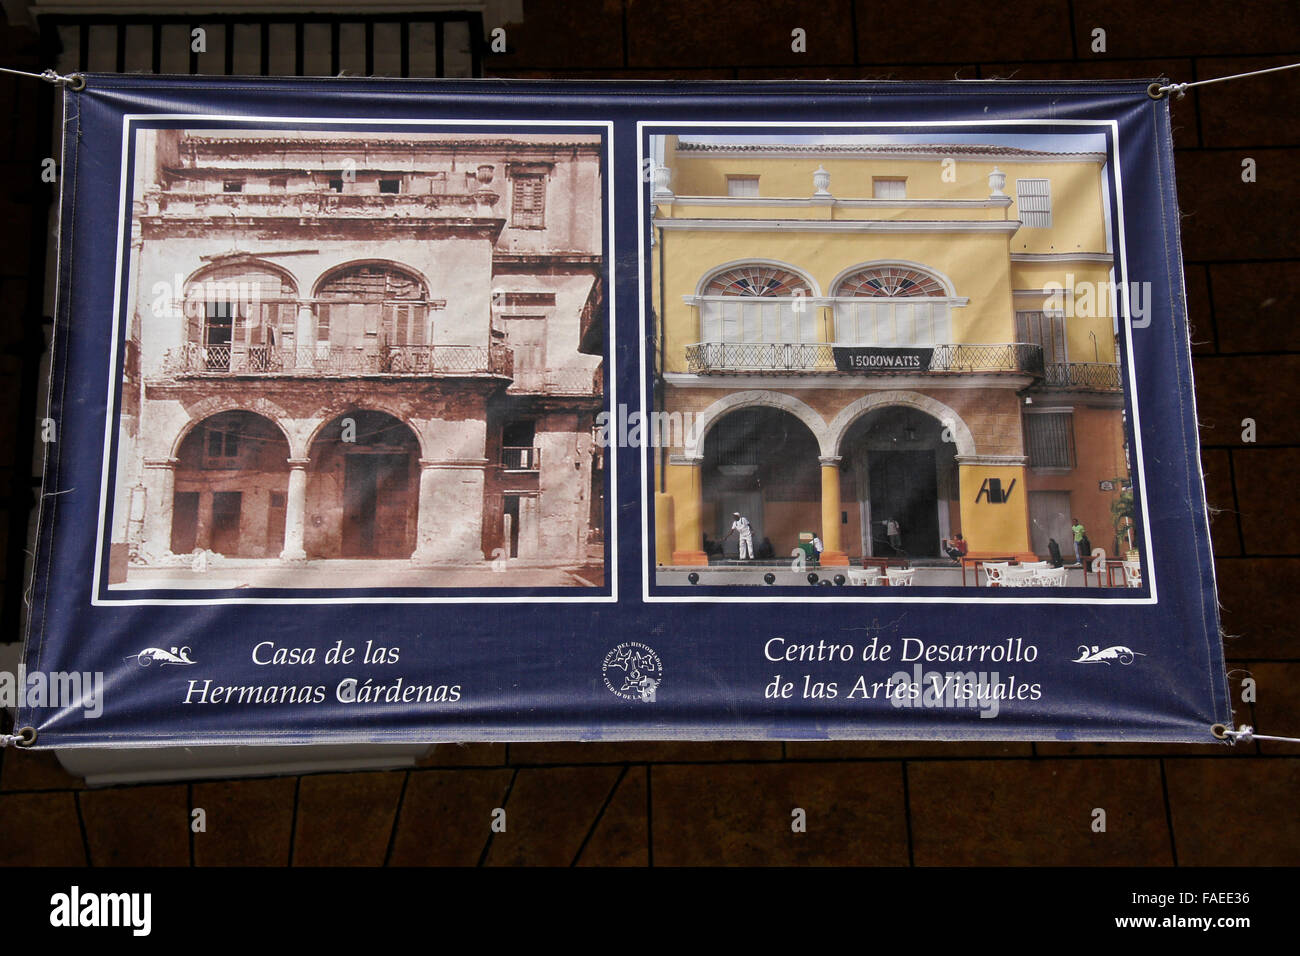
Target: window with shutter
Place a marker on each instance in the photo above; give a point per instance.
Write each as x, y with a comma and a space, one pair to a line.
1049, 439
1034, 199
888, 187
743, 186
528, 205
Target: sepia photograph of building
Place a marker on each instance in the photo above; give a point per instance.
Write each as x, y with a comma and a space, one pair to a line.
882, 344
362, 359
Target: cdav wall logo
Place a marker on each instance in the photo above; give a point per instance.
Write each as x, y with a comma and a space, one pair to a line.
77, 909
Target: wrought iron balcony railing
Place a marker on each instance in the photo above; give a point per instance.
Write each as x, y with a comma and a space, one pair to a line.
330, 361
521, 458
721, 357
1088, 376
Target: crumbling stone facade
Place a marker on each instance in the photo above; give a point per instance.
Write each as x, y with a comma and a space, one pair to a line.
362, 346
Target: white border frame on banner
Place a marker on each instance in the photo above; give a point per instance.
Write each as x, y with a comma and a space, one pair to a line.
843, 595
216, 120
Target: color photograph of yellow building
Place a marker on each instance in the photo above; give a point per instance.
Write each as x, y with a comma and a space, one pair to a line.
893, 353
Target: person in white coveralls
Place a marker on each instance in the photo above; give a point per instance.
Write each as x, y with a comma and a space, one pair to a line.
740, 526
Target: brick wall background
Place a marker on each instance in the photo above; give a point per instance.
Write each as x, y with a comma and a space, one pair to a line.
867, 803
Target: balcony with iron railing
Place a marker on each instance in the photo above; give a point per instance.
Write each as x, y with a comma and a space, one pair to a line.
1020, 358
521, 458
331, 361
1082, 376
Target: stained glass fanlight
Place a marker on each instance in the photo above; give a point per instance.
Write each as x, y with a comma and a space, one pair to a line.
891, 282
757, 280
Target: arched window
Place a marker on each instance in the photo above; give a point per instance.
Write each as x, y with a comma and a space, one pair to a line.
892, 305
370, 307
757, 303
240, 314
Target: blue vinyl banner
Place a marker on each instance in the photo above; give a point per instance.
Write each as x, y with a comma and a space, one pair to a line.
437, 411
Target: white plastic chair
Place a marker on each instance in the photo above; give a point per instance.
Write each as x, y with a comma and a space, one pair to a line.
861, 576
900, 577
1050, 578
1036, 565
1017, 577
993, 571
1133, 574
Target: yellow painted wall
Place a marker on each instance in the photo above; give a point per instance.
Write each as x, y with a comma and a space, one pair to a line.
687, 209
682, 485
1089, 310
1078, 220
990, 527
977, 264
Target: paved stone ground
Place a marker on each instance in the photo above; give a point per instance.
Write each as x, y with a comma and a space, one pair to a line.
932, 577
360, 574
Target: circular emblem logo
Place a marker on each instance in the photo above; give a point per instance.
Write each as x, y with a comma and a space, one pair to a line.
633, 671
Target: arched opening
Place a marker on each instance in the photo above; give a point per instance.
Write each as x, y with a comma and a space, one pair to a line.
362, 488
240, 317
372, 317
762, 462
756, 303
892, 305
901, 477
232, 478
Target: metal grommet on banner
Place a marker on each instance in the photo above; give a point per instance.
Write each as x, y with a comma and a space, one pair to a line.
75, 82
25, 737
1157, 92
1246, 733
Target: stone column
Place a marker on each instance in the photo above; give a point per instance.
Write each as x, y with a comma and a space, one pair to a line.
833, 548
687, 482
295, 512
304, 338
159, 498
449, 527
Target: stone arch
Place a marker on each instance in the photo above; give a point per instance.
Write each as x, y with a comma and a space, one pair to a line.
242, 263
343, 267
706, 419
703, 284
839, 426
326, 414
205, 408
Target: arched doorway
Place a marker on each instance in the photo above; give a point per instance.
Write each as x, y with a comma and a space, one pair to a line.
898, 467
362, 488
762, 462
232, 478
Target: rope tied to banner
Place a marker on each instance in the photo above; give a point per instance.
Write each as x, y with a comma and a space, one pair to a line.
1245, 734
73, 81
1156, 91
